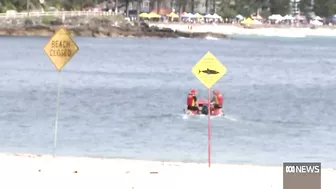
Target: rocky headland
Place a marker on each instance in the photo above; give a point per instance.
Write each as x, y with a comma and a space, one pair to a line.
94, 27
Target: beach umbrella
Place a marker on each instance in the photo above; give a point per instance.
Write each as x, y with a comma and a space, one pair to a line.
288, 17
185, 15
318, 18
191, 15
153, 15
188, 15
208, 16
197, 15
275, 17
240, 17
316, 23
173, 15
257, 22
299, 17
247, 21
217, 16
143, 15
258, 17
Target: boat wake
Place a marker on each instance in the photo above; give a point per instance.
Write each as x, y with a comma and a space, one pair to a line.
231, 118
210, 38
182, 38
202, 116
285, 35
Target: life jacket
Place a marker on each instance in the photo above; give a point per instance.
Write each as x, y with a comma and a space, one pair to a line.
219, 99
190, 100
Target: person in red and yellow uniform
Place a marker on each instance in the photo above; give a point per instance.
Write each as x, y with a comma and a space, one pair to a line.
217, 100
192, 101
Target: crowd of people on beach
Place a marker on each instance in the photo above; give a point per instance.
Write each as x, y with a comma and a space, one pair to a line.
183, 17
254, 19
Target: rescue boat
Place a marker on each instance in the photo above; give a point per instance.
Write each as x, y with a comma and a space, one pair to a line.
203, 103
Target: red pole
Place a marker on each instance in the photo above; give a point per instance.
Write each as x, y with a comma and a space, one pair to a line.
209, 130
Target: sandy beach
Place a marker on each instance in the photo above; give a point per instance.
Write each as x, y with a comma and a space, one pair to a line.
24, 170
260, 31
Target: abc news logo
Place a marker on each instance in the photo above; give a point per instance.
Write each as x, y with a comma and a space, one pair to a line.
303, 168
302, 175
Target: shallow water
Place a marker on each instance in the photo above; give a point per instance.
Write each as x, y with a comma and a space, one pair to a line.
124, 98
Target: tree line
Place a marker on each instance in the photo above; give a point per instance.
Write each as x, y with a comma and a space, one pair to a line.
225, 8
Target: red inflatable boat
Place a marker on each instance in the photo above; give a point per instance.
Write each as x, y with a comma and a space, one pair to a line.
203, 104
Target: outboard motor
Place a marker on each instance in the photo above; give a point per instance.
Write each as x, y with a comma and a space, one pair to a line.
205, 109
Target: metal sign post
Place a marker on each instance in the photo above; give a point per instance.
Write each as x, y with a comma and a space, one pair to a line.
209, 70
60, 49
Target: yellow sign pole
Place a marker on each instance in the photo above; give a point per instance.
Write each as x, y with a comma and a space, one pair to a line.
60, 49
209, 70
57, 112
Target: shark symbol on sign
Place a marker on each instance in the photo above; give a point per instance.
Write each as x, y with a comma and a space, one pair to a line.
208, 71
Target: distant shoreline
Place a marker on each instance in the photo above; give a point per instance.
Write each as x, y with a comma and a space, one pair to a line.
111, 25
111, 31
174, 30
260, 30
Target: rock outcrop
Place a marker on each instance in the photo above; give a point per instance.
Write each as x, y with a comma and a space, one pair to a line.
105, 30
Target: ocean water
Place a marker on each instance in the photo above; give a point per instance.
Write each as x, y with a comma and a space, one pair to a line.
124, 98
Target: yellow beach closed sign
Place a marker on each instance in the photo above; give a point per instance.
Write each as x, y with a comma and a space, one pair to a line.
61, 48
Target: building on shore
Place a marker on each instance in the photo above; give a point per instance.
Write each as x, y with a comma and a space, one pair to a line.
200, 6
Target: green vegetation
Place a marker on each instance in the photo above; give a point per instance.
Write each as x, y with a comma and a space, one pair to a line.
21, 5
6, 5
226, 8
48, 19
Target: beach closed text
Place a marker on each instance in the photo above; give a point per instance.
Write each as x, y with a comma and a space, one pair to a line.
60, 48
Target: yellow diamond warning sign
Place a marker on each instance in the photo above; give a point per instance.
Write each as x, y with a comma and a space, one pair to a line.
209, 70
60, 48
